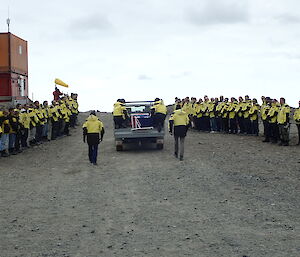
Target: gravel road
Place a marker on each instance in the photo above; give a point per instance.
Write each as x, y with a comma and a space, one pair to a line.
231, 196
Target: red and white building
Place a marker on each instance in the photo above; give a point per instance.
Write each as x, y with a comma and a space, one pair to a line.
13, 69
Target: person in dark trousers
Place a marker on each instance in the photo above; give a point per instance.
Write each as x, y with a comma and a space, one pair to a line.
93, 131
254, 111
283, 121
178, 125
272, 118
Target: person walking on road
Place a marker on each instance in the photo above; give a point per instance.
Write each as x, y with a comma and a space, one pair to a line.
178, 125
93, 130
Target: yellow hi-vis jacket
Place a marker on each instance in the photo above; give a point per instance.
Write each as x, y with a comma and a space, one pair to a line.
238, 109
93, 125
198, 110
219, 108
211, 109
246, 108
297, 116
159, 107
273, 112
264, 111
5, 124
40, 114
193, 110
54, 114
180, 118
34, 120
66, 114
25, 119
283, 114
231, 109
224, 110
254, 110
118, 109
205, 110
187, 107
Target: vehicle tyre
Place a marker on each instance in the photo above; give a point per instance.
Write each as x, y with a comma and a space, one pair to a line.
119, 147
160, 146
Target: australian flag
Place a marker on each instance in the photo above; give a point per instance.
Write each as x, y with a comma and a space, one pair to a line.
141, 120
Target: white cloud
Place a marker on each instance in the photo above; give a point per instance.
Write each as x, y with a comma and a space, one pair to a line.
219, 12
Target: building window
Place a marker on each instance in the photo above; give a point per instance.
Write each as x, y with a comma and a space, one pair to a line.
22, 85
20, 50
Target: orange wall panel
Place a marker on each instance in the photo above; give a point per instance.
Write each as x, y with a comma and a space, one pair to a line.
19, 59
4, 63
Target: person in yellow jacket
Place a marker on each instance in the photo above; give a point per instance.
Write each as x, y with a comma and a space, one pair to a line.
55, 116
186, 106
93, 130
265, 107
119, 114
253, 113
219, 108
240, 116
225, 116
232, 116
25, 126
212, 115
178, 126
46, 113
4, 139
66, 112
205, 112
245, 110
272, 119
192, 115
283, 120
297, 120
199, 115
33, 122
74, 109
40, 123
14, 130
159, 112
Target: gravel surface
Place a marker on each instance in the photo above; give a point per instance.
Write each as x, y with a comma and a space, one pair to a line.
231, 196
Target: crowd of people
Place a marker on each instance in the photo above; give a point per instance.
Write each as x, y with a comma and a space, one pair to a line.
241, 116
28, 125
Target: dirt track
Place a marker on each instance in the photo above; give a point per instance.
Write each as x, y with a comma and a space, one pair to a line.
231, 196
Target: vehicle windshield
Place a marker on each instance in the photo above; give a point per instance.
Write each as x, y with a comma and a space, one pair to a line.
138, 109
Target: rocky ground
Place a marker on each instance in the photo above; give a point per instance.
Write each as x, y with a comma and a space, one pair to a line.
231, 196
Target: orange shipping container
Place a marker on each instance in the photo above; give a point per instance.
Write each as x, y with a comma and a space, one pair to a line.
13, 54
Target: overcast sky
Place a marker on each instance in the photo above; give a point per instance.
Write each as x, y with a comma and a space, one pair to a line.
142, 49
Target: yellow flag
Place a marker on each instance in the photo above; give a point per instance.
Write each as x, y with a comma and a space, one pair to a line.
60, 82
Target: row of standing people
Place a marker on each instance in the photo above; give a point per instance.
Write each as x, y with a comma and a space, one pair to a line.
241, 116
28, 125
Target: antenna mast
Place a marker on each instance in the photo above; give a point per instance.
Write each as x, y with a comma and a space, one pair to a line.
8, 20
